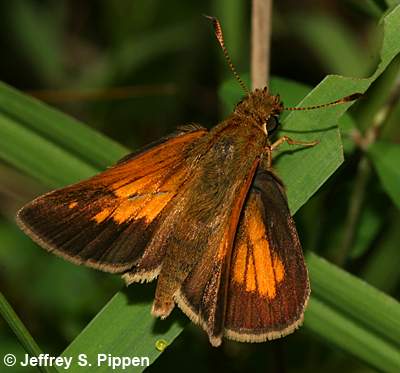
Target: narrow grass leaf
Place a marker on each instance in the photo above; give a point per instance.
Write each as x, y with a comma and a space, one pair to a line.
123, 328
350, 336
21, 332
386, 158
81, 141
354, 297
33, 154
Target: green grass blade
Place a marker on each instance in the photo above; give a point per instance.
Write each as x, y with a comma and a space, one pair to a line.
354, 297
123, 328
81, 141
381, 270
22, 333
386, 157
350, 336
347, 58
21, 147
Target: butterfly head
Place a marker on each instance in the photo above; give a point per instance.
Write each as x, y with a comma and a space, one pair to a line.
262, 109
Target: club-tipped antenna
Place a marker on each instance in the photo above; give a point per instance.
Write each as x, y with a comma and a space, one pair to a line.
220, 37
352, 97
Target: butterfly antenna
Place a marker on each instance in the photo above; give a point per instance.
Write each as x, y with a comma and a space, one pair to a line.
220, 38
343, 100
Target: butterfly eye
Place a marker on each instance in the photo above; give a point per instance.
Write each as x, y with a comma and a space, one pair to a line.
272, 123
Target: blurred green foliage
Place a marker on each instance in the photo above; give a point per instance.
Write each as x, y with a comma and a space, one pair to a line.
166, 55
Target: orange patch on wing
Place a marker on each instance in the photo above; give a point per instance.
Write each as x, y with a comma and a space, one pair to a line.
279, 269
251, 274
240, 262
102, 215
152, 183
139, 186
254, 265
154, 207
143, 198
72, 205
146, 206
146, 197
126, 211
146, 167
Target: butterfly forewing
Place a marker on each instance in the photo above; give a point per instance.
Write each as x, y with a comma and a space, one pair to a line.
105, 222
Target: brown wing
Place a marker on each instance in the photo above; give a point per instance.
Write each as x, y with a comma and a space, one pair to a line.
105, 221
269, 287
203, 293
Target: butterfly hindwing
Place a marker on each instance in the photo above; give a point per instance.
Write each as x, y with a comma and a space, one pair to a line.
202, 295
269, 287
251, 284
105, 222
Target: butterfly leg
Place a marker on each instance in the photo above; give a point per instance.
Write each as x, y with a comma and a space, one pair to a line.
290, 141
267, 160
270, 148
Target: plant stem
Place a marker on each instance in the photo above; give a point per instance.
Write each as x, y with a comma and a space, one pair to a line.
364, 170
260, 42
353, 215
22, 333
